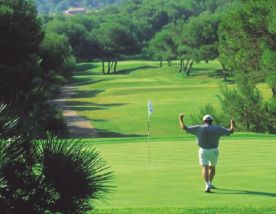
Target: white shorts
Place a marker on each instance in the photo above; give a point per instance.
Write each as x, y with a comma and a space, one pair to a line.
208, 157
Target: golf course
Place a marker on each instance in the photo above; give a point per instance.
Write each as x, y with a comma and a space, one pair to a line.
138, 106
171, 181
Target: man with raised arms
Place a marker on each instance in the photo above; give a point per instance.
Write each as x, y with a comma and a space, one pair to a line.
207, 136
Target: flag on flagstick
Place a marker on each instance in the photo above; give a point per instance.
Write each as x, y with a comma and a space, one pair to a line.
150, 111
150, 108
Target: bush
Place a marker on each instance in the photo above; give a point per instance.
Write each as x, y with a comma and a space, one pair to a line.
75, 172
51, 175
219, 119
42, 119
245, 104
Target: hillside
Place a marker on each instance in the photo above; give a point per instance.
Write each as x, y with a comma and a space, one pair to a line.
46, 6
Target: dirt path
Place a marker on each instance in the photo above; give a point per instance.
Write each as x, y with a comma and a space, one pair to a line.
78, 126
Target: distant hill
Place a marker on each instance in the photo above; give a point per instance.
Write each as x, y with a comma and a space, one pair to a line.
51, 6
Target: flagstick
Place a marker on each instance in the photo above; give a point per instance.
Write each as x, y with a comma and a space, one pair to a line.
149, 136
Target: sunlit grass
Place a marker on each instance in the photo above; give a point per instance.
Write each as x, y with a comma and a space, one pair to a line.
171, 182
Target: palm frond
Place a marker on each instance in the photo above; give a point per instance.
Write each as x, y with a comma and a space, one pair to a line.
77, 172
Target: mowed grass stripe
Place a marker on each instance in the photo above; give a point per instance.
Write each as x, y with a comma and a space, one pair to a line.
225, 210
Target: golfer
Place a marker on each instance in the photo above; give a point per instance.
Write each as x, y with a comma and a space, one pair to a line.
208, 140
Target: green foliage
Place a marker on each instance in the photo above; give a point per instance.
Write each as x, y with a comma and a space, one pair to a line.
54, 51
76, 34
219, 118
44, 118
46, 6
7, 122
50, 175
247, 47
201, 38
20, 37
110, 35
32, 67
247, 38
162, 46
75, 172
245, 104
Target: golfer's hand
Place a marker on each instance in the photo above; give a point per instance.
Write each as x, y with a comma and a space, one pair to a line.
232, 122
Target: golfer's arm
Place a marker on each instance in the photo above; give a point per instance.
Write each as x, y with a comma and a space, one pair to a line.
232, 127
182, 125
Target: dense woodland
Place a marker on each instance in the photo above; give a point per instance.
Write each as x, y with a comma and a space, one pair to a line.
39, 52
58, 6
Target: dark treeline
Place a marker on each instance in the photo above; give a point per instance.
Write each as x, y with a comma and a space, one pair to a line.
149, 28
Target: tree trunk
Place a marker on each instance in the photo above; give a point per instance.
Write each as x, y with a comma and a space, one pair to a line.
115, 66
161, 63
180, 65
110, 65
247, 125
224, 72
103, 67
274, 92
169, 63
186, 65
189, 69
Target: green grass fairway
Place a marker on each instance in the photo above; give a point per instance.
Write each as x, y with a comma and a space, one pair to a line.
172, 182
116, 104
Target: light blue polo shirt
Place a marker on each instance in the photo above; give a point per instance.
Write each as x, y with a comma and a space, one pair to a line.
208, 135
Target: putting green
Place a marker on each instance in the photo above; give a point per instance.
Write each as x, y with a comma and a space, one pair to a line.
245, 177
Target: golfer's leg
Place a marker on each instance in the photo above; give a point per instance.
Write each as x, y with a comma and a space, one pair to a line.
212, 166
205, 173
212, 172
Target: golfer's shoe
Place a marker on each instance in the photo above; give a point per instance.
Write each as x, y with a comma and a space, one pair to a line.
212, 187
207, 190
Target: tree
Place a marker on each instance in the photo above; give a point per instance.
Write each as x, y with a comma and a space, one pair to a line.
197, 40
247, 38
162, 46
115, 41
245, 104
76, 33
247, 47
57, 62
30, 67
219, 118
54, 50
20, 37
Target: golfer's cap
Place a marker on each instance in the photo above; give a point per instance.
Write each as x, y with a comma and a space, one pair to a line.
207, 117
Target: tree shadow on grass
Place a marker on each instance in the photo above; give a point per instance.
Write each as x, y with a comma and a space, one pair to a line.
90, 106
83, 67
84, 81
244, 192
102, 133
86, 94
79, 132
128, 71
